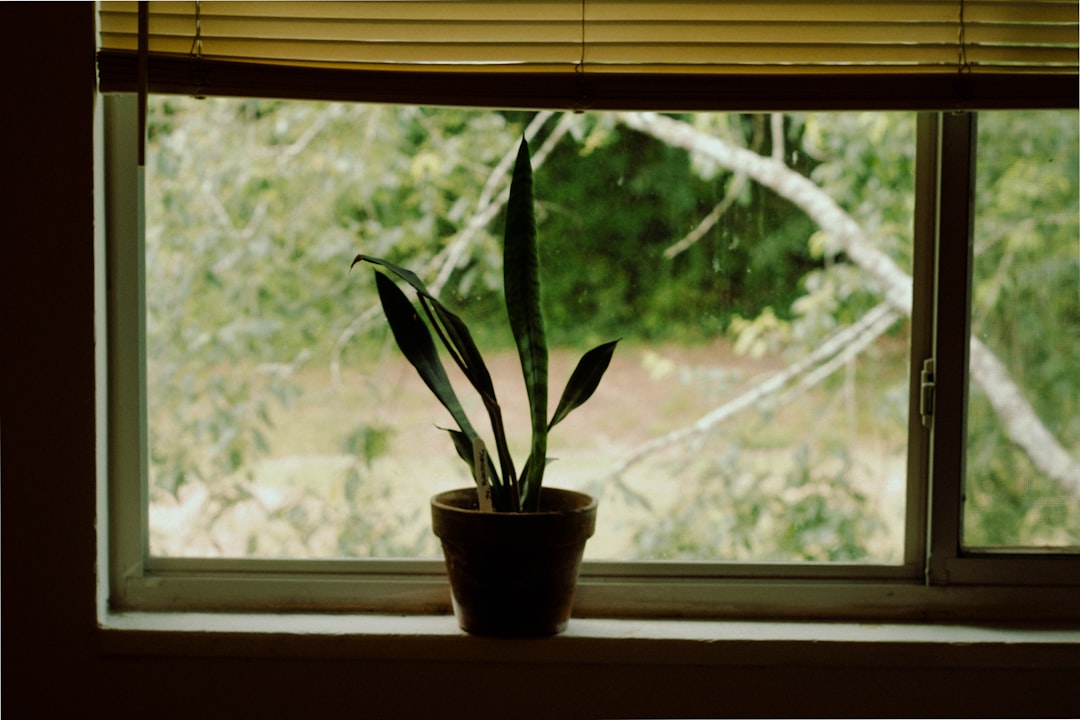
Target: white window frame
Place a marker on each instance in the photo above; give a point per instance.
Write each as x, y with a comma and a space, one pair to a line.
935, 580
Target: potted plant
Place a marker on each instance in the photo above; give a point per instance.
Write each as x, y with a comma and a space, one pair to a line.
512, 548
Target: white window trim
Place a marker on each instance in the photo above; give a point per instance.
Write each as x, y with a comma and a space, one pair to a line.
949, 585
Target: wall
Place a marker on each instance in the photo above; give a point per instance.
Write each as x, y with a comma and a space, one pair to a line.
57, 664
47, 430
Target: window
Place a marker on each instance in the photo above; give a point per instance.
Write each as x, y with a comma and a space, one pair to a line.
281, 423
887, 459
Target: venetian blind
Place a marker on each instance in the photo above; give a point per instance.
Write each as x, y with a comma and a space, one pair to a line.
221, 46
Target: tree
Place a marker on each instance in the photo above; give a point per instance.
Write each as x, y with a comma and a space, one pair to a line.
845, 235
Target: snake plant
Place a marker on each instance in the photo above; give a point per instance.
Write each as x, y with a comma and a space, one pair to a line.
509, 492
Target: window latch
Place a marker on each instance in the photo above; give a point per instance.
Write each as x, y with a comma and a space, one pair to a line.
926, 393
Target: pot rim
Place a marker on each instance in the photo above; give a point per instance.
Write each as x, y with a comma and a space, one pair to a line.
442, 502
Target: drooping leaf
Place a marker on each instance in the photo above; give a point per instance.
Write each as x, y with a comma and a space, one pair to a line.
521, 279
457, 338
584, 380
405, 274
459, 343
416, 344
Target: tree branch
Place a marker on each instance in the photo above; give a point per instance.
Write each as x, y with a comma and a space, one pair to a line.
1019, 420
1015, 414
706, 224
844, 343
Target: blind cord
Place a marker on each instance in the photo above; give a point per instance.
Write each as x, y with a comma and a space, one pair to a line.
963, 66
143, 76
579, 68
581, 61
196, 50
196, 42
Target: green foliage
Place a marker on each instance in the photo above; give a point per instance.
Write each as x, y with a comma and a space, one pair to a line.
1025, 297
652, 195
737, 510
1008, 503
521, 285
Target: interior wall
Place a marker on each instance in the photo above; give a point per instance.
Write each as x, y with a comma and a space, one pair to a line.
47, 425
53, 663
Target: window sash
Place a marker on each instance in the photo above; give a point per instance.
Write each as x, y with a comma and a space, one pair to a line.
949, 562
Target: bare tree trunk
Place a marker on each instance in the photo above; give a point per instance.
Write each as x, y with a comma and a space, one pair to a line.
1019, 420
1016, 415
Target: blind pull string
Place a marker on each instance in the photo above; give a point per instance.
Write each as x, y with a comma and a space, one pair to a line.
963, 66
198, 72
196, 42
143, 76
579, 68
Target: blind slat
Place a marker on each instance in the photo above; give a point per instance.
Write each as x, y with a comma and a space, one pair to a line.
840, 35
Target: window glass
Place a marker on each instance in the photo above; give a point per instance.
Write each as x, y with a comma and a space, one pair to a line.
755, 267
1023, 418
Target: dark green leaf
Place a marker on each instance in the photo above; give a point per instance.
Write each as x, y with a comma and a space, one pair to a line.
405, 274
414, 340
463, 445
460, 341
500, 495
457, 338
530, 488
584, 380
521, 277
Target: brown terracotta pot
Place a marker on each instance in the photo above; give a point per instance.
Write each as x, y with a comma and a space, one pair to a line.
513, 574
